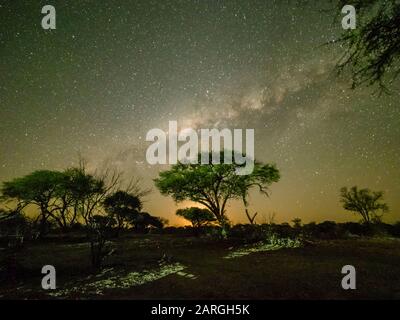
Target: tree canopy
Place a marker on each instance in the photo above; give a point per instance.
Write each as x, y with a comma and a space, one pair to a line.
121, 205
373, 48
197, 216
48, 190
364, 202
213, 185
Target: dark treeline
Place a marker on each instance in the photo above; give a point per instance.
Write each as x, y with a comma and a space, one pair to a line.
327, 230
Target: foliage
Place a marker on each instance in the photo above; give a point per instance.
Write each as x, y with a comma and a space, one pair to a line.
59, 196
197, 216
143, 220
364, 202
213, 185
122, 206
126, 209
373, 47
39, 188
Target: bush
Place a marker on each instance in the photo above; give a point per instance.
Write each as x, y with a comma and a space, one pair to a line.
253, 233
394, 230
248, 232
212, 232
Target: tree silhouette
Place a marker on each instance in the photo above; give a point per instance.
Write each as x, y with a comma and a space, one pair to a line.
373, 47
39, 188
143, 220
198, 217
213, 185
88, 191
121, 205
364, 202
126, 208
100, 230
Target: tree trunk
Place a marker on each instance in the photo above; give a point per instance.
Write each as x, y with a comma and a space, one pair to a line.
251, 218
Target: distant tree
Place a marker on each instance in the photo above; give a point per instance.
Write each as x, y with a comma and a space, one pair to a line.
164, 221
296, 223
364, 202
126, 209
154, 222
213, 185
198, 217
141, 221
121, 205
297, 227
372, 49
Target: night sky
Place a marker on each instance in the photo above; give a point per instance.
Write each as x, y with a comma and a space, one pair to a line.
112, 70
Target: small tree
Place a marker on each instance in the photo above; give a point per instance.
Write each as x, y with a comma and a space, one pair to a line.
296, 223
364, 202
141, 221
99, 230
126, 209
121, 205
198, 217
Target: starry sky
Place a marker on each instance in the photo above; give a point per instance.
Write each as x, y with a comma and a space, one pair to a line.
112, 70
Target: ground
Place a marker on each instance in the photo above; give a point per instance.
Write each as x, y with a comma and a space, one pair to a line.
176, 267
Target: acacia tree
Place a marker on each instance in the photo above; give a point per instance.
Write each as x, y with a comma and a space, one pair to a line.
364, 202
213, 185
58, 195
372, 49
141, 221
198, 217
40, 188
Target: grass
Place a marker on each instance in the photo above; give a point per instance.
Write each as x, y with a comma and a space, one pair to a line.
176, 267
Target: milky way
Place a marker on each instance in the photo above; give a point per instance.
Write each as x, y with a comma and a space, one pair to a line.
113, 70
